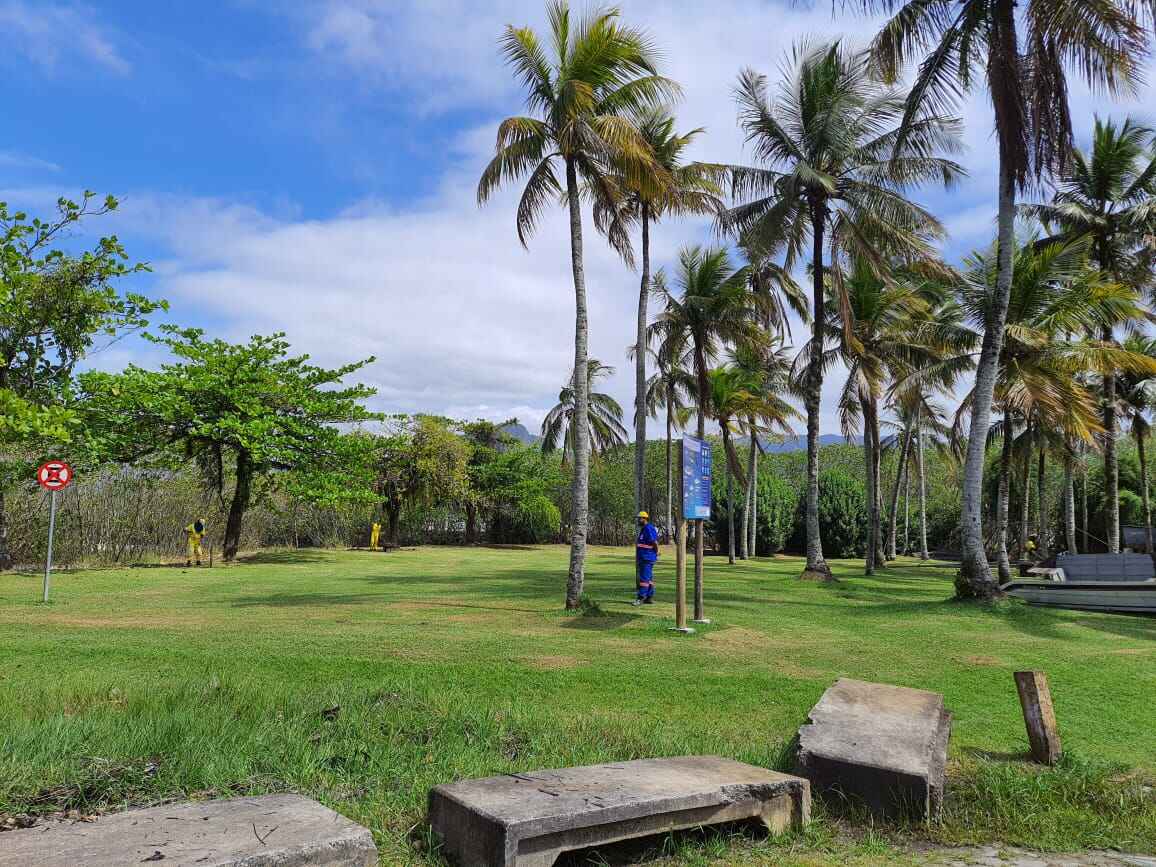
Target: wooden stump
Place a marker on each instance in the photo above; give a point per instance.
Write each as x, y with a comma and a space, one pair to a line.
1039, 716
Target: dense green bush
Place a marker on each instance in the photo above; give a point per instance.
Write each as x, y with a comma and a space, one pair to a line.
842, 515
775, 514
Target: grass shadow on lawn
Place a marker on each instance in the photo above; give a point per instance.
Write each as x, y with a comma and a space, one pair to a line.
599, 623
286, 600
286, 558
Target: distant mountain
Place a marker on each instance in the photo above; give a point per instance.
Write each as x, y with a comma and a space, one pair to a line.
799, 443
518, 431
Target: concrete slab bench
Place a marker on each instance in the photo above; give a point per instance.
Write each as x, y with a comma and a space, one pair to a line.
266, 831
528, 820
1106, 567
884, 746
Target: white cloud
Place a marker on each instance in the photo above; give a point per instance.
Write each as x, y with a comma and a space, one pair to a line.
55, 34
19, 161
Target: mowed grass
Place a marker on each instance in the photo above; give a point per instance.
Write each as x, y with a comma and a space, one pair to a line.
364, 679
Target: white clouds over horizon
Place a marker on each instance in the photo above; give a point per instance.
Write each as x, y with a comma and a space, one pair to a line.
55, 34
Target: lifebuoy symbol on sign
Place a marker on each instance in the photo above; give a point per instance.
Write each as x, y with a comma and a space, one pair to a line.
54, 475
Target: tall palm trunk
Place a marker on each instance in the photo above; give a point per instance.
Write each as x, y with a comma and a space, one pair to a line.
745, 549
1111, 461
753, 541
580, 497
1069, 502
924, 554
670, 528
1142, 450
1041, 504
1001, 503
640, 368
872, 500
893, 524
1084, 500
974, 579
699, 541
1025, 498
877, 472
730, 514
816, 566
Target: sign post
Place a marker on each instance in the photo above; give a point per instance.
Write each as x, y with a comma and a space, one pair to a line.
53, 476
696, 502
680, 562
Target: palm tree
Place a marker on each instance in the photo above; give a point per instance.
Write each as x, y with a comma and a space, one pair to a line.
1053, 294
714, 307
1021, 52
1109, 196
604, 417
582, 98
916, 412
677, 189
669, 389
1137, 402
834, 172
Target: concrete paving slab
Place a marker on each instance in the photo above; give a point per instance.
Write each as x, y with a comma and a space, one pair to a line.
885, 746
266, 831
528, 820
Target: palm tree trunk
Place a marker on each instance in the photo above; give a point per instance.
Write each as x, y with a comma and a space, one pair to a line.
816, 566
869, 459
753, 541
744, 543
974, 579
1084, 499
877, 471
893, 524
1111, 461
670, 528
1041, 505
1001, 503
580, 497
1069, 502
1025, 498
924, 554
640, 368
730, 514
1142, 449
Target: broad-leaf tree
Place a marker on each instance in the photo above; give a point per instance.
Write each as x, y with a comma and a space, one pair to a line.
582, 95
1021, 52
247, 411
834, 171
56, 308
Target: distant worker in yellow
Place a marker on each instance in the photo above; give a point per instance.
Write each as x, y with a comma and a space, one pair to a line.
194, 533
374, 536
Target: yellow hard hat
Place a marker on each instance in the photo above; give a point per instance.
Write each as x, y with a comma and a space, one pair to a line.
644, 515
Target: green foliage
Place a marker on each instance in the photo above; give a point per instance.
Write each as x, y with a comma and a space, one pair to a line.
538, 518
775, 515
842, 514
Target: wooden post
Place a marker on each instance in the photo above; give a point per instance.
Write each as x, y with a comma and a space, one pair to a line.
680, 528
1039, 716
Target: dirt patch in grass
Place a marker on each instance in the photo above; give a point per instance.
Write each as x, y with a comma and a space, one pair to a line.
552, 663
738, 639
983, 660
1132, 651
144, 621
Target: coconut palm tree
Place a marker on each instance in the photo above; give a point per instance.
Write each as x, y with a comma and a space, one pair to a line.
713, 307
669, 389
1109, 195
604, 417
679, 188
1137, 402
916, 413
581, 95
833, 172
1053, 294
1021, 51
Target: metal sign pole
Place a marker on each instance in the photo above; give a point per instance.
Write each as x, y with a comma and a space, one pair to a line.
51, 532
680, 553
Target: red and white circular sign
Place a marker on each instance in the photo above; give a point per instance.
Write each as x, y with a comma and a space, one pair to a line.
54, 475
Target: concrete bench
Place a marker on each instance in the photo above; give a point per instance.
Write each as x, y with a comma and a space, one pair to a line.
1106, 567
528, 820
269, 831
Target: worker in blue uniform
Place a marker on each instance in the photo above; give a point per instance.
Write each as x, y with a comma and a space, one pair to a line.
645, 555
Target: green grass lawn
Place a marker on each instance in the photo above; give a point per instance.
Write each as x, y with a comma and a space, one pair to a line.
364, 679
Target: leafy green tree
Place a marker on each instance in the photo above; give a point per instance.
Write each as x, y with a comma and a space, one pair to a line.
582, 99
604, 417
669, 389
1022, 55
55, 306
834, 171
487, 441
1137, 402
1109, 197
250, 409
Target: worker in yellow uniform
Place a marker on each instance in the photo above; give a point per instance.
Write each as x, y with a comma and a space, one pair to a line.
194, 533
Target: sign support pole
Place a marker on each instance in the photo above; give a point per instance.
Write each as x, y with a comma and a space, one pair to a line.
51, 533
680, 525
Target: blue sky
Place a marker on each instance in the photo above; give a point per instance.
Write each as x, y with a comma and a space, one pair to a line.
310, 167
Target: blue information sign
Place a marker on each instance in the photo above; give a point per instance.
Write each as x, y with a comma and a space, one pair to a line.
696, 468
